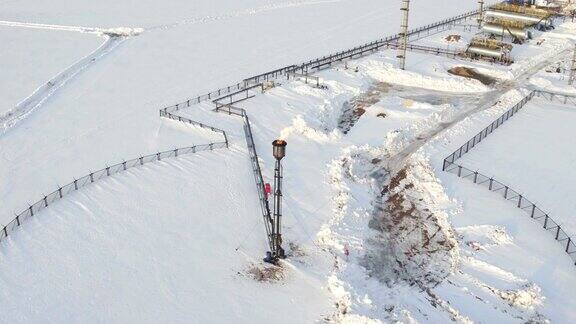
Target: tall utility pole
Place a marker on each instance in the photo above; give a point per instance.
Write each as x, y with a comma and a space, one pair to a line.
404, 33
279, 151
481, 13
573, 69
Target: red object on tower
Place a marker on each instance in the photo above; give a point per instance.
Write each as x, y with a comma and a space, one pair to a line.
267, 190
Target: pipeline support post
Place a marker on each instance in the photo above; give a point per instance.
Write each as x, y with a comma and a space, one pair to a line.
480, 13
404, 33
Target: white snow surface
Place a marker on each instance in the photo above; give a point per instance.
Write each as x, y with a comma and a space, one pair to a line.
177, 240
531, 154
32, 57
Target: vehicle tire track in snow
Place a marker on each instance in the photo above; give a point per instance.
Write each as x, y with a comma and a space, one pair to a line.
79, 29
113, 36
487, 101
48, 89
240, 13
126, 31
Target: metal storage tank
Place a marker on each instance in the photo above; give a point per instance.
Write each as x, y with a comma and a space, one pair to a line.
517, 16
506, 31
484, 51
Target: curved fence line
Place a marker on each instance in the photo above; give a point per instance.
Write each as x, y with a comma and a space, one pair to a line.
99, 175
217, 95
535, 212
108, 171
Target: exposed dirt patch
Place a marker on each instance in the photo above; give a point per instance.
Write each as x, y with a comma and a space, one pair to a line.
354, 109
472, 74
414, 244
265, 273
295, 250
453, 38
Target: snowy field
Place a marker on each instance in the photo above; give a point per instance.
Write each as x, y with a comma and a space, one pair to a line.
502, 247
42, 53
165, 255
116, 101
182, 240
532, 154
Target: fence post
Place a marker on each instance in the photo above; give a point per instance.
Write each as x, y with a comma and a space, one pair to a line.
491, 181
60, 191
533, 210
546, 221
18, 218
475, 176
107, 171
158, 156
91, 176
5, 232
45, 201
141, 160
124, 165
519, 201
505, 192
557, 233
568, 244
175, 152
459, 171
75, 184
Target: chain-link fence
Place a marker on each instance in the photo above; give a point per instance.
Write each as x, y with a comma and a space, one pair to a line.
557, 97
505, 191
519, 201
92, 177
487, 131
169, 115
254, 160
327, 60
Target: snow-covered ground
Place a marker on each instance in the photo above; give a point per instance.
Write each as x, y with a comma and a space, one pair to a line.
182, 240
531, 153
164, 255
116, 101
501, 246
32, 57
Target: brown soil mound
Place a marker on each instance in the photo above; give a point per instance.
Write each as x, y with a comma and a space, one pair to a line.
453, 38
472, 74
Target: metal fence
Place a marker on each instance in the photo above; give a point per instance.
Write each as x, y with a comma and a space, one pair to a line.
92, 177
209, 96
254, 160
327, 60
557, 97
487, 131
508, 193
169, 115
